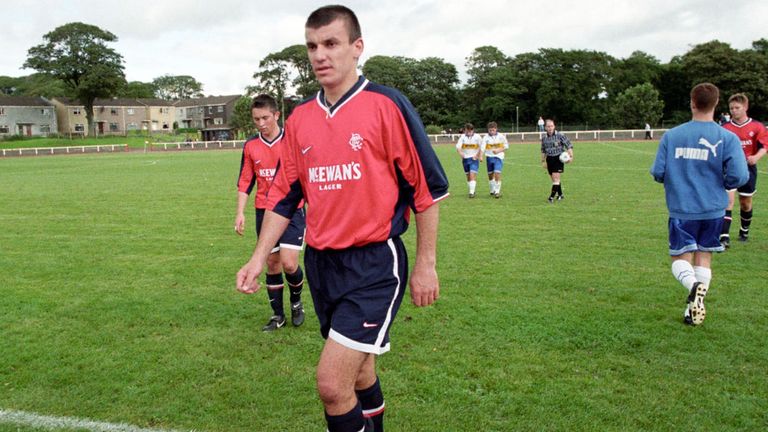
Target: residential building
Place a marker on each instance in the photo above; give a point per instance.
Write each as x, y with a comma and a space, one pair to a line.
27, 116
210, 114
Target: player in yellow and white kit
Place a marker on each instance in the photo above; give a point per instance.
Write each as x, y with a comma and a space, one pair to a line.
493, 146
469, 147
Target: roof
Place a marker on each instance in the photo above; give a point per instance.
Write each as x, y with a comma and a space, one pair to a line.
210, 100
24, 101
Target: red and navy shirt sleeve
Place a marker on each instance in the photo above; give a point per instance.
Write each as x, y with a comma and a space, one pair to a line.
246, 178
420, 173
285, 194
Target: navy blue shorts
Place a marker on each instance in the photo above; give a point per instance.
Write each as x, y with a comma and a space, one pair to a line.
494, 164
554, 164
470, 165
293, 237
694, 236
750, 187
357, 292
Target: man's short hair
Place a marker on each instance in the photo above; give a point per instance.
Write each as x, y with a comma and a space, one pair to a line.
469, 126
492, 125
705, 96
264, 101
739, 98
328, 14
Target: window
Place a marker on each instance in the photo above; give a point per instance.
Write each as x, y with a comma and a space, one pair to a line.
201, 110
79, 128
133, 126
221, 108
4, 129
113, 111
210, 110
76, 111
45, 111
130, 111
165, 125
218, 121
164, 110
113, 127
45, 128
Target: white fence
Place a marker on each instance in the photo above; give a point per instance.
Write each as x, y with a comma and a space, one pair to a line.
40, 151
195, 145
593, 135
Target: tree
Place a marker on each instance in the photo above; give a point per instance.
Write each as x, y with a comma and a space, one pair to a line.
430, 84
636, 69
177, 87
488, 70
636, 106
138, 90
283, 72
242, 119
78, 55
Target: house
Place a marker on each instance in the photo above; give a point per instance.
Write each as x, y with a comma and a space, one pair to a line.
27, 116
160, 115
210, 114
70, 116
117, 116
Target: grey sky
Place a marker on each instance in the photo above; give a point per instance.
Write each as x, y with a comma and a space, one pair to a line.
221, 42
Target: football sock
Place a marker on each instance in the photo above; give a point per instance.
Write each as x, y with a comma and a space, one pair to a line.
727, 219
472, 184
746, 221
554, 190
684, 273
275, 293
492, 186
351, 421
498, 186
703, 274
295, 284
372, 401
560, 189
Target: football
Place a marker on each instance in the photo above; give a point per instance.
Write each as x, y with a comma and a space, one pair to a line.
565, 157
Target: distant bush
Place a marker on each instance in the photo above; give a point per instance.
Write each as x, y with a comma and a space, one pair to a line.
434, 129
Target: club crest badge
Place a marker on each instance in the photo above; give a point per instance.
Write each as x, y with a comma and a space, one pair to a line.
356, 142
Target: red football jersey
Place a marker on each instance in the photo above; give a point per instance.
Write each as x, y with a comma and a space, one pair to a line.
752, 134
257, 166
360, 165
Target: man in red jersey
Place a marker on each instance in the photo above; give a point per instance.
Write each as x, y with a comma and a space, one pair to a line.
257, 167
358, 153
754, 140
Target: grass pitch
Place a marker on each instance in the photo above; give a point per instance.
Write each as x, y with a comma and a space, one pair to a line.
118, 305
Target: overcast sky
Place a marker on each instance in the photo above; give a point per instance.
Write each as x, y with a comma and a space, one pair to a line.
220, 42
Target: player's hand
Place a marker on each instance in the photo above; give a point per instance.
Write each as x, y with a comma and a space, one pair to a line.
425, 287
248, 277
240, 224
751, 160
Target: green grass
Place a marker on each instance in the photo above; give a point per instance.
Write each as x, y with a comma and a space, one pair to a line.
118, 305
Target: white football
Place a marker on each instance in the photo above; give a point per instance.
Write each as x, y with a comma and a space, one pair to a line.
565, 157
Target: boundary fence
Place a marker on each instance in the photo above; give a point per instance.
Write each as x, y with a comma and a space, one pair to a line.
592, 135
512, 137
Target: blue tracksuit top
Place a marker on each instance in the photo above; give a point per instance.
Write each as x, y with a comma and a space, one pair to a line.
697, 162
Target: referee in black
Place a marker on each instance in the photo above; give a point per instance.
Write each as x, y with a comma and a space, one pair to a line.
553, 144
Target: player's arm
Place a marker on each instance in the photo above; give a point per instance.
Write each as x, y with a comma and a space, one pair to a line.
242, 200
762, 141
425, 287
568, 147
272, 228
658, 169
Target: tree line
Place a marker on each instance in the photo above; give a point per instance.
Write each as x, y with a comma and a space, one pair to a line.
574, 87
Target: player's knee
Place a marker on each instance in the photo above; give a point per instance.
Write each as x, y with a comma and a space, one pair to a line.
330, 390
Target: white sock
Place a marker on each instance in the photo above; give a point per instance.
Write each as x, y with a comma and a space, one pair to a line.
492, 185
684, 273
703, 274
498, 186
472, 185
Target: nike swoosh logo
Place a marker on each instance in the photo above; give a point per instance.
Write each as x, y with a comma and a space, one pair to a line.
258, 161
369, 325
305, 150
